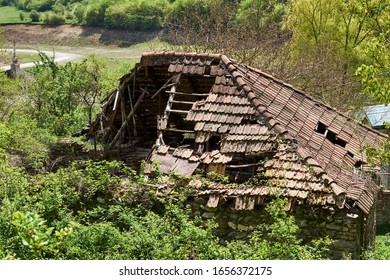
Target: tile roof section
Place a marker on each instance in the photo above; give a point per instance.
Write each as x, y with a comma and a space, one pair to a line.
252, 111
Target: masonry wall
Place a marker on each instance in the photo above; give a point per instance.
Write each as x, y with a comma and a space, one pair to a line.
314, 222
383, 208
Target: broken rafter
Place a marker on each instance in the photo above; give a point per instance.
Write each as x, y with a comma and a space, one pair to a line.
194, 94
124, 125
116, 98
178, 130
163, 87
131, 108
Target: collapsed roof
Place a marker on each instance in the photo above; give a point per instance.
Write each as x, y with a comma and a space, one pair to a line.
190, 112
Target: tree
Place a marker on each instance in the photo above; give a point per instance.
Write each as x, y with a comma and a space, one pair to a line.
63, 97
330, 38
375, 74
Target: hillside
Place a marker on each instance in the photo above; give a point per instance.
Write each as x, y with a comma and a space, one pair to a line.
74, 35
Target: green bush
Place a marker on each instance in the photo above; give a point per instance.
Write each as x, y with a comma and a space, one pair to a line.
54, 19
381, 251
79, 12
136, 15
81, 212
35, 16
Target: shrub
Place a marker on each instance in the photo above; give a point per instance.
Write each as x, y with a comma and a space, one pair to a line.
54, 19
35, 16
79, 12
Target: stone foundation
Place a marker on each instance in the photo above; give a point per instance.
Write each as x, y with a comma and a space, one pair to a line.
383, 208
314, 222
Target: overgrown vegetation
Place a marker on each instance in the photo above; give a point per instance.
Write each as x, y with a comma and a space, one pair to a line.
98, 210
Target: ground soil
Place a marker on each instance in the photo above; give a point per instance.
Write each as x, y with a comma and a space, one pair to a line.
74, 35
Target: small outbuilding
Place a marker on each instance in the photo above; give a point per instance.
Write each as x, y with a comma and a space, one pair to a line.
208, 114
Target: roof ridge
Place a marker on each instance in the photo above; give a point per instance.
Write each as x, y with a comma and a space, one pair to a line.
253, 98
173, 53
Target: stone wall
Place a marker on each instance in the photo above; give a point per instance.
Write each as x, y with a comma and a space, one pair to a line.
383, 208
314, 222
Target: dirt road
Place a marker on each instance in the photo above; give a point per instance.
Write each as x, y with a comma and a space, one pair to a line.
58, 57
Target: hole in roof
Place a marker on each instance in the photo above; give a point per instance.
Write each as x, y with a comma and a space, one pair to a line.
207, 71
213, 143
330, 135
321, 128
358, 164
350, 154
249, 121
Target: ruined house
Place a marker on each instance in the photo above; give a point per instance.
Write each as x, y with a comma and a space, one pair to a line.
207, 114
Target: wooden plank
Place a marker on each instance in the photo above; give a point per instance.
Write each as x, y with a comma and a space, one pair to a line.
183, 102
116, 98
124, 125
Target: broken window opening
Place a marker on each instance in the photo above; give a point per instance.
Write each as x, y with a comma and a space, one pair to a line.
243, 167
321, 128
248, 121
358, 164
330, 135
213, 143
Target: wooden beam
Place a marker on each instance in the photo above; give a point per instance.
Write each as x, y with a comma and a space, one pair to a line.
194, 94
116, 98
244, 165
183, 102
123, 113
131, 108
124, 125
178, 130
178, 111
163, 87
160, 140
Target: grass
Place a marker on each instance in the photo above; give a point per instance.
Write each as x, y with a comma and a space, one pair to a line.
22, 57
10, 14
